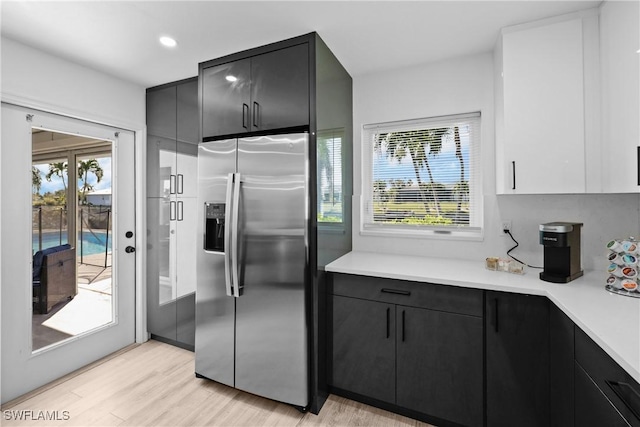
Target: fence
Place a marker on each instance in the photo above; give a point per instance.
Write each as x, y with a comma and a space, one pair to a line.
50, 228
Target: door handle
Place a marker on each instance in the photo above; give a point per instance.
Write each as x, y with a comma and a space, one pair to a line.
245, 113
494, 319
172, 184
180, 183
626, 393
172, 211
237, 288
388, 321
228, 213
180, 211
513, 171
403, 324
130, 249
255, 117
395, 291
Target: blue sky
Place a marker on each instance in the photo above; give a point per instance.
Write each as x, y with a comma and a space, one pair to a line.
56, 182
447, 172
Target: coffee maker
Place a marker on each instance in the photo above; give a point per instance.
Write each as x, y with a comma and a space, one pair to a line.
561, 241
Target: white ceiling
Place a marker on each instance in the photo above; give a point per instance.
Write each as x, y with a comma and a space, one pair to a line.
121, 37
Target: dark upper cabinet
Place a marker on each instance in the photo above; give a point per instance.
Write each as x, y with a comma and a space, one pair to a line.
226, 96
187, 112
364, 346
440, 364
268, 89
517, 358
161, 112
280, 89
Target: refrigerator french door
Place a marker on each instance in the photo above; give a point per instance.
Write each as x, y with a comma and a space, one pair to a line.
251, 324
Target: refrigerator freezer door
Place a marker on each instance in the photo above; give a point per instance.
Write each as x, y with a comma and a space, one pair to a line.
215, 311
271, 334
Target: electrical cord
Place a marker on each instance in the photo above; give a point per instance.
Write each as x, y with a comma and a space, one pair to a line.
516, 245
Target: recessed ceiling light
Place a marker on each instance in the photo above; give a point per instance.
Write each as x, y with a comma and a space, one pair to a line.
231, 78
168, 41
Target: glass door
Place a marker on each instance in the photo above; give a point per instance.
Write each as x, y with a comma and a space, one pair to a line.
73, 289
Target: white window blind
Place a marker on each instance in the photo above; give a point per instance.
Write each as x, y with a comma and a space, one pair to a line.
423, 175
329, 158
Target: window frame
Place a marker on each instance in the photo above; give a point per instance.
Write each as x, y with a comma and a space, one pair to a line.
474, 231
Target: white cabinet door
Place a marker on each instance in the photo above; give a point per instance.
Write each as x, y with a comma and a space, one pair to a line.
619, 44
544, 125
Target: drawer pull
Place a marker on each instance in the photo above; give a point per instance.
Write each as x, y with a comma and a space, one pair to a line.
395, 291
402, 325
629, 396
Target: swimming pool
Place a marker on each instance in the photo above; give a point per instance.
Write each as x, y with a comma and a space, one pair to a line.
92, 242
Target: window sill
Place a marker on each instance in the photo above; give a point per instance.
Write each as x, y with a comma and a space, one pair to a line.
473, 236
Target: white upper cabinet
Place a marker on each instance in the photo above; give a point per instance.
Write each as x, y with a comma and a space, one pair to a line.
619, 46
547, 119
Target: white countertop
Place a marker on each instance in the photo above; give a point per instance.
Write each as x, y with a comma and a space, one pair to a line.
612, 321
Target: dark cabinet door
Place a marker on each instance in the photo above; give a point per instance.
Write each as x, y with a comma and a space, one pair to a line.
561, 351
592, 408
440, 364
226, 98
187, 112
280, 89
364, 345
161, 112
517, 359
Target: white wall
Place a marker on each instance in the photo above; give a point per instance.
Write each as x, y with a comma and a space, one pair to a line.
464, 85
38, 80
33, 78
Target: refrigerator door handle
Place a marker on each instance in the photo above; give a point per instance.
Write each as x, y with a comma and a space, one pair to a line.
234, 235
227, 236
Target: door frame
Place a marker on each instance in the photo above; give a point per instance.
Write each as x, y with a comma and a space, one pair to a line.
139, 139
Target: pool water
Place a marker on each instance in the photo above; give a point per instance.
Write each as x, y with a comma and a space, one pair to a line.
92, 242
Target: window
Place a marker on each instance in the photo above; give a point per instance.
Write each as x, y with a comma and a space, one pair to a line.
421, 177
329, 155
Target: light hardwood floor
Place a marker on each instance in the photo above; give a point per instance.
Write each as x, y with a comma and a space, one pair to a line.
153, 384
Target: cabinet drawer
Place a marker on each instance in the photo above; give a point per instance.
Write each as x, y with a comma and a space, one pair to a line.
619, 387
415, 294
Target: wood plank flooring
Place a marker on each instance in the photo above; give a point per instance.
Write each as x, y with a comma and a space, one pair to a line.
153, 384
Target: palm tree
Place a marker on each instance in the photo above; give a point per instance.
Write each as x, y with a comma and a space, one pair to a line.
36, 179
58, 169
461, 187
417, 144
84, 168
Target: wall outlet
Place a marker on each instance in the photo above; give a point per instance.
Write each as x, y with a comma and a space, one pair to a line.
506, 225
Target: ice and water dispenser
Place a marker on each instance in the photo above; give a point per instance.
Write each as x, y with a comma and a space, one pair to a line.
214, 227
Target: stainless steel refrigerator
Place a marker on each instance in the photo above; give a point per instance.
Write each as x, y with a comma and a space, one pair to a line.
251, 323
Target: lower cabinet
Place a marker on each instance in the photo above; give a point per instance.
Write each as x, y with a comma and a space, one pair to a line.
439, 364
424, 360
364, 347
466, 357
517, 342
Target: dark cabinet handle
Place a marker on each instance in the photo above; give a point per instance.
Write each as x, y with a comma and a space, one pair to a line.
245, 114
494, 318
388, 321
403, 325
395, 291
629, 396
513, 171
256, 114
